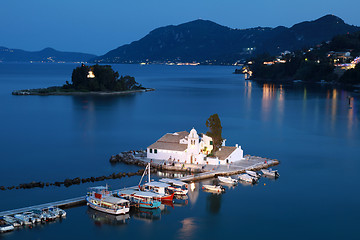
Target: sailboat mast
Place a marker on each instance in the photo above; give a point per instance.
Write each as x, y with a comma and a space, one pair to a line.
149, 172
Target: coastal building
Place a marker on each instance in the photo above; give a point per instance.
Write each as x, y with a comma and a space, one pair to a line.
194, 148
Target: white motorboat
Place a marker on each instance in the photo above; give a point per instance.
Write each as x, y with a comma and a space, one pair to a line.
5, 226
11, 220
228, 180
247, 178
101, 200
34, 218
271, 173
253, 174
213, 188
57, 211
24, 219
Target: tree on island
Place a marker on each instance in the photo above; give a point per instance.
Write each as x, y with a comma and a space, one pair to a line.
215, 130
100, 78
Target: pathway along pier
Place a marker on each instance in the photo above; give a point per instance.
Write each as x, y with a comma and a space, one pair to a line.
210, 171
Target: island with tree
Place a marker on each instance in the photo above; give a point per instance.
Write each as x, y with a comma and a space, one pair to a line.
96, 79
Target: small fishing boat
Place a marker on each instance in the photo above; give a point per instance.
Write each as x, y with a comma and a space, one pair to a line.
46, 214
11, 220
34, 218
247, 178
179, 188
161, 189
57, 211
227, 180
140, 199
24, 219
100, 199
213, 188
253, 174
271, 173
5, 226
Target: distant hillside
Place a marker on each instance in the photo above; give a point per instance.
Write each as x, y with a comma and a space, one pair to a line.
45, 55
208, 42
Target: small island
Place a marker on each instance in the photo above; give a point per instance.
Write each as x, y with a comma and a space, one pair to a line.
96, 79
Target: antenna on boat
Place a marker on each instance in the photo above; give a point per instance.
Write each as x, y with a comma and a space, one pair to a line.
147, 168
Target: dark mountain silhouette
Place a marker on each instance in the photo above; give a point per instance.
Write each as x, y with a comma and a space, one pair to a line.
208, 42
45, 55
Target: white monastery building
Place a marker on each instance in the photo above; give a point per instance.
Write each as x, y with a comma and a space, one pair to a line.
192, 148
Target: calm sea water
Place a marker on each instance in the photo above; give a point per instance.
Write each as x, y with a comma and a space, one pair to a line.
312, 130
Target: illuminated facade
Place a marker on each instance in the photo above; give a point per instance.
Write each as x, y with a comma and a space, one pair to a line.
192, 148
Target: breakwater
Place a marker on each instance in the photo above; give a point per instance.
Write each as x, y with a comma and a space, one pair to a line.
73, 181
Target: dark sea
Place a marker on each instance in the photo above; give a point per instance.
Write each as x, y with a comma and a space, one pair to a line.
312, 129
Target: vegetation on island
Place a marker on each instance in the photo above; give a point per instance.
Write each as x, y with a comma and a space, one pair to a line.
331, 61
215, 131
96, 78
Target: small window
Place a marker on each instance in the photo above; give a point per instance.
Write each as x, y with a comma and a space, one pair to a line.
155, 150
211, 142
150, 150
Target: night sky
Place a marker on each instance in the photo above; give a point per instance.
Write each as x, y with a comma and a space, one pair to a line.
99, 26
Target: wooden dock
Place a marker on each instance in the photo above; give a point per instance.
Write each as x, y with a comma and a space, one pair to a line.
61, 204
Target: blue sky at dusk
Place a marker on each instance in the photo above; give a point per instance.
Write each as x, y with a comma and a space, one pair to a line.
99, 26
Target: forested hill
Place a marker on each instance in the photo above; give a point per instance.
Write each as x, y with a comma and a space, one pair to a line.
45, 55
208, 42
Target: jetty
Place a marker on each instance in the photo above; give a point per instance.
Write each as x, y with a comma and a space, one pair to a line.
197, 173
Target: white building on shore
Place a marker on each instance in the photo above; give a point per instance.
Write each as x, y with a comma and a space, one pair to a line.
192, 148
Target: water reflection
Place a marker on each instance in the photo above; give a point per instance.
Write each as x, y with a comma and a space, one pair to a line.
213, 203
271, 92
193, 193
108, 219
188, 228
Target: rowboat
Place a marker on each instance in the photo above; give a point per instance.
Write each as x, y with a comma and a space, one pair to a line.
100, 199
213, 188
247, 178
228, 180
271, 173
5, 226
179, 188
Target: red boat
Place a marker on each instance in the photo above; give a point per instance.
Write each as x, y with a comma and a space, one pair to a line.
161, 189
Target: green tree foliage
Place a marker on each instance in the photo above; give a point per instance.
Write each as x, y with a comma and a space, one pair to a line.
106, 79
215, 130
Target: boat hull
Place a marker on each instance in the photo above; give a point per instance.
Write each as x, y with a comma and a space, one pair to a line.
123, 210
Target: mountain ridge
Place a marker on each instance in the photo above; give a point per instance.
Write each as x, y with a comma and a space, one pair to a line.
47, 54
206, 41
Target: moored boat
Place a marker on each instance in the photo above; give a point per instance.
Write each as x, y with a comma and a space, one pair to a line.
271, 173
213, 188
247, 178
5, 226
253, 174
140, 199
11, 220
100, 199
161, 190
179, 188
228, 180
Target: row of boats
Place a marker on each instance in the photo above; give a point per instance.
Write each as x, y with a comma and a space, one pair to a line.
10, 222
249, 177
149, 195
